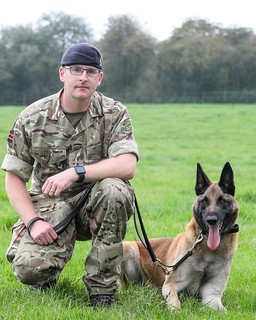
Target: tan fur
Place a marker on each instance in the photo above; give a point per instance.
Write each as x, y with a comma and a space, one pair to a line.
204, 274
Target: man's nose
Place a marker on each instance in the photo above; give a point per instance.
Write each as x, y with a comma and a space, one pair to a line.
84, 75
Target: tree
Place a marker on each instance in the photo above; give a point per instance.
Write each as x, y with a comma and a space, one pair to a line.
18, 51
200, 61
31, 56
128, 55
203, 59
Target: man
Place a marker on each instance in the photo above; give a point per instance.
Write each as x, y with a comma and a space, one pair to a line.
65, 142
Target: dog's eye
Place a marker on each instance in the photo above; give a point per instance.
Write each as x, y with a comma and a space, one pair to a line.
222, 201
204, 201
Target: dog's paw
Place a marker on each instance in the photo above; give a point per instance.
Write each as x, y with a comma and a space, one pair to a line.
215, 304
173, 308
173, 302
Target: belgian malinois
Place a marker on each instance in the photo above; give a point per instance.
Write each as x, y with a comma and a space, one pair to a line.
210, 237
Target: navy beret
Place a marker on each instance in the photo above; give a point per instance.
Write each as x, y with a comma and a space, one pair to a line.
82, 53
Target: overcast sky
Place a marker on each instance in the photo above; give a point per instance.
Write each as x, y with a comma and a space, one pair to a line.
158, 17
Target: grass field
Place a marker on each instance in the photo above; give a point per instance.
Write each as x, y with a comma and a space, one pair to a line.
171, 139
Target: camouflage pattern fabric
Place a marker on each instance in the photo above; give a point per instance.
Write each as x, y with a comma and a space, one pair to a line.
42, 143
103, 219
106, 216
35, 264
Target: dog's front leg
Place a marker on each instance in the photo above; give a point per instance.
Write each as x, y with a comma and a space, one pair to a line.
211, 296
170, 295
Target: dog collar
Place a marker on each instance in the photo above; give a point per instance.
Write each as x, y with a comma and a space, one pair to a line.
234, 229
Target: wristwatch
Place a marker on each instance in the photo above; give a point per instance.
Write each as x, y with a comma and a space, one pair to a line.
80, 170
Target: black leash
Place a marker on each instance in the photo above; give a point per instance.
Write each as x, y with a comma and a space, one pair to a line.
145, 242
61, 226
166, 268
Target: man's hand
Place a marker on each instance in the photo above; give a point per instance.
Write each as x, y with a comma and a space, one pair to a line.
43, 233
54, 185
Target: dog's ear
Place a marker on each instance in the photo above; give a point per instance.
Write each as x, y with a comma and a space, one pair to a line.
226, 182
202, 181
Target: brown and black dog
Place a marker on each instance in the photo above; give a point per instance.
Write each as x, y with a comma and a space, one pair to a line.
206, 271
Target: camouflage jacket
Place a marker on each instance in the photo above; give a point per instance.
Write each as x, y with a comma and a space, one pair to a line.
43, 142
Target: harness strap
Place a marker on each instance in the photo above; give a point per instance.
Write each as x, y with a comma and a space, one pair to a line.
62, 225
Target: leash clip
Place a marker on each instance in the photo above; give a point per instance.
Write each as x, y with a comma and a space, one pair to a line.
166, 269
198, 240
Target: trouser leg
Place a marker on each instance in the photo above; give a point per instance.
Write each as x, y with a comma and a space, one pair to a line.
108, 211
34, 264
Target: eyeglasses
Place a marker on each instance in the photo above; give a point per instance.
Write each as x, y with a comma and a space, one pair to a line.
77, 71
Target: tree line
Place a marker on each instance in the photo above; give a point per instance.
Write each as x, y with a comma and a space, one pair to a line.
199, 62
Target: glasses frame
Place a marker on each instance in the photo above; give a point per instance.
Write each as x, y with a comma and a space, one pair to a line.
84, 70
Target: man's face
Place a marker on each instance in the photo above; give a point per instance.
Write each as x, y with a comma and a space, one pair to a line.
80, 81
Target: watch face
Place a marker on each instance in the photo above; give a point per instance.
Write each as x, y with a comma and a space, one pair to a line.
80, 169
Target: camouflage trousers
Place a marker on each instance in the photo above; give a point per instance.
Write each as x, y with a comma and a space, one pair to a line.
103, 219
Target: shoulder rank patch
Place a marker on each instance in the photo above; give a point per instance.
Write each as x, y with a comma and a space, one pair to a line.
10, 137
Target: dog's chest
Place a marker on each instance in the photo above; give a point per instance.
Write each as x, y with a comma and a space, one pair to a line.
192, 274
198, 269
203, 260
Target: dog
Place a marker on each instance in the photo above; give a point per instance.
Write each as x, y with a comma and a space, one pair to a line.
211, 239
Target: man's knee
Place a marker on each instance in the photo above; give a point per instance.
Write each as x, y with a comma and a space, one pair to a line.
117, 190
110, 208
37, 273
34, 264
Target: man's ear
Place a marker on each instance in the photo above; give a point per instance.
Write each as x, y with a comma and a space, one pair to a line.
61, 73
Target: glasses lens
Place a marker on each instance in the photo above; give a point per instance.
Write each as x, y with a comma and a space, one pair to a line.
76, 70
93, 73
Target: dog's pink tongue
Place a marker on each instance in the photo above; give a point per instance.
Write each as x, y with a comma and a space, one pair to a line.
213, 237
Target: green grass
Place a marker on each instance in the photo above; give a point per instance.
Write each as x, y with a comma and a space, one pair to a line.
171, 139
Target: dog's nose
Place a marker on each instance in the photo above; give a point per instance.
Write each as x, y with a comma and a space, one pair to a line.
212, 220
